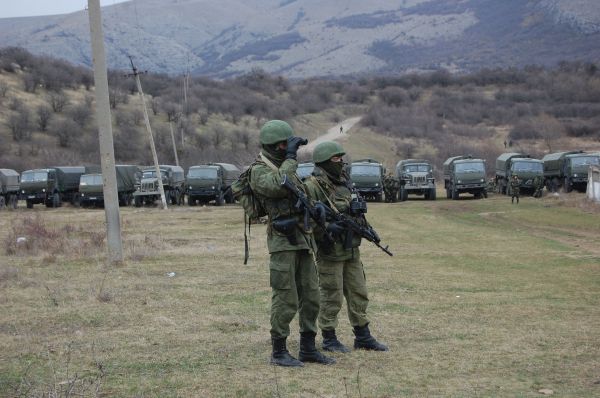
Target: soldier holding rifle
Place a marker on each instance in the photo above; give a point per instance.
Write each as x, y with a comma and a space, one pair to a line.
340, 267
293, 274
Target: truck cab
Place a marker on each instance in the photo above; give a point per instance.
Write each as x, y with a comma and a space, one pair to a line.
416, 177
568, 169
212, 181
367, 178
463, 174
527, 168
173, 183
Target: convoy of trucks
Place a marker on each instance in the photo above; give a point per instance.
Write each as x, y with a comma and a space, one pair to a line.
211, 182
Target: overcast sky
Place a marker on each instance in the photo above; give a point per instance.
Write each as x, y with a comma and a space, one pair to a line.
26, 8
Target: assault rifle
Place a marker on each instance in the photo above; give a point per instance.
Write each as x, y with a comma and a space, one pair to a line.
322, 212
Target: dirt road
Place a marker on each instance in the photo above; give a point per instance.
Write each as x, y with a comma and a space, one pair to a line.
333, 134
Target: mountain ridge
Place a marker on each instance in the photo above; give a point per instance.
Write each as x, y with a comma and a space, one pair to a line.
307, 38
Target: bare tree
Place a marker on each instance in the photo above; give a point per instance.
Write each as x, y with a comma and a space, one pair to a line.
58, 101
80, 115
66, 131
19, 124
3, 89
44, 114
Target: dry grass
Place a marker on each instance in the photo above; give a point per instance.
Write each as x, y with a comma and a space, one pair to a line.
481, 299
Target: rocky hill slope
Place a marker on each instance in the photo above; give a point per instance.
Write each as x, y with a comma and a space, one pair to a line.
302, 38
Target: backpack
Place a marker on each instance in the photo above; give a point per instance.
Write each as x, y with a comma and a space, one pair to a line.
242, 192
253, 210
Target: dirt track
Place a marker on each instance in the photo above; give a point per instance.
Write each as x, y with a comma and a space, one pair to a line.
333, 134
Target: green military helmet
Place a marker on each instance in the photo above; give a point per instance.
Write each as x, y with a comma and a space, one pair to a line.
326, 150
275, 131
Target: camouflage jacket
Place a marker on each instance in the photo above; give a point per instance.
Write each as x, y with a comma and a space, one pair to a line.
320, 187
391, 183
515, 184
278, 203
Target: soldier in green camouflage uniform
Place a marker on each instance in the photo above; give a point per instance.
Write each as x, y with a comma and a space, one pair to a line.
293, 274
538, 185
341, 272
515, 188
390, 187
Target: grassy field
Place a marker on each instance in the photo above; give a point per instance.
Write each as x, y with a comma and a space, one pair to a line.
482, 298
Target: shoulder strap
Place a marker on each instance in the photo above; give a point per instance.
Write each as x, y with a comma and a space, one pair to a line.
266, 161
317, 182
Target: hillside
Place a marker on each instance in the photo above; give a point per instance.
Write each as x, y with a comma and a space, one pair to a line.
303, 38
47, 113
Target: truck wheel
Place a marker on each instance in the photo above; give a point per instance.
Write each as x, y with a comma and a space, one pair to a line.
29, 204
219, 200
76, 201
448, 193
56, 200
138, 201
13, 201
402, 194
455, 194
379, 197
484, 192
567, 187
432, 193
191, 201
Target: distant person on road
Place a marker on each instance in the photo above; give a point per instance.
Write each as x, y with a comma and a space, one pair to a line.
293, 274
515, 188
341, 272
341, 129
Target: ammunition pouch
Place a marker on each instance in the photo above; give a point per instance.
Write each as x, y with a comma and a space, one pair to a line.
287, 227
357, 206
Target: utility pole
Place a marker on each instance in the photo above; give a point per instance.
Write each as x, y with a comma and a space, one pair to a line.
174, 146
161, 189
107, 152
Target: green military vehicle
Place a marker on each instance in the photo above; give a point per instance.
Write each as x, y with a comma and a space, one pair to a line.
305, 170
212, 181
173, 183
367, 178
527, 168
568, 169
91, 187
53, 186
9, 188
416, 177
463, 174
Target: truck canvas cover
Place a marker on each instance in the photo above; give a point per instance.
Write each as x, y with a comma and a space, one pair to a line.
9, 181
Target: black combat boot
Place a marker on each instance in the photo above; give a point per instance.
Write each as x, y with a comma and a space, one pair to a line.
280, 355
308, 351
363, 339
331, 343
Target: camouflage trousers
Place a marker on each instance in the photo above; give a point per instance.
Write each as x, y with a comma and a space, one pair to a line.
295, 288
339, 279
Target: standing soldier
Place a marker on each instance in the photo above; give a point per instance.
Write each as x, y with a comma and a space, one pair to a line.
390, 188
538, 184
515, 188
491, 187
341, 272
293, 274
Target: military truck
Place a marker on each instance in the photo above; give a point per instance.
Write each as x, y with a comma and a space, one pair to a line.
212, 181
367, 178
305, 170
463, 174
9, 188
416, 177
91, 188
173, 183
568, 169
53, 186
527, 168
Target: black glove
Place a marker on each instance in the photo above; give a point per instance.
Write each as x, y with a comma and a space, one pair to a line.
335, 229
293, 143
320, 211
